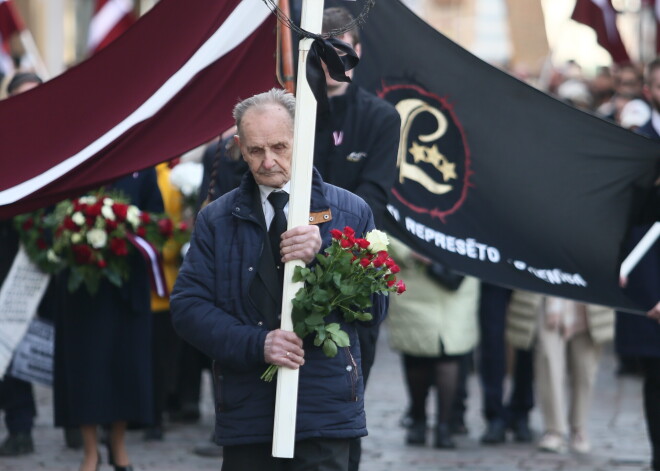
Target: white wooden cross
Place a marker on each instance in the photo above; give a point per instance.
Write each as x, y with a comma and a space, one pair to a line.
284, 431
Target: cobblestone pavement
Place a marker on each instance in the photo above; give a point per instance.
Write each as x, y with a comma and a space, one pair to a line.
616, 427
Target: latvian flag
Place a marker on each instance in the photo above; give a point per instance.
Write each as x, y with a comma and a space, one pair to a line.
601, 16
10, 24
111, 18
168, 84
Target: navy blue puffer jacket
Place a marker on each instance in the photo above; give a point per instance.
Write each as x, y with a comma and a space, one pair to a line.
212, 310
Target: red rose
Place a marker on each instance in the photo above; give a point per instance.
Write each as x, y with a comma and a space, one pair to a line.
380, 258
353, 258
41, 244
389, 263
94, 210
82, 253
365, 262
118, 247
183, 227
362, 243
120, 210
345, 243
77, 205
145, 217
400, 287
395, 268
165, 226
28, 224
110, 225
70, 225
391, 281
141, 231
102, 263
90, 221
349, 232
336, 234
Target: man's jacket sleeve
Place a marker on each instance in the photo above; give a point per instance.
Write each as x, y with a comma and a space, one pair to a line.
197, 318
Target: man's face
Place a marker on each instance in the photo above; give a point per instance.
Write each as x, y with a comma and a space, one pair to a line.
652, 89
266, 142
339, 88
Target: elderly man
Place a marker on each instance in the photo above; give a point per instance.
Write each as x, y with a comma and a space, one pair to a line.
227, 300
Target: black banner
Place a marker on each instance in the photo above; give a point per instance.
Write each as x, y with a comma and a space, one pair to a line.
497, 179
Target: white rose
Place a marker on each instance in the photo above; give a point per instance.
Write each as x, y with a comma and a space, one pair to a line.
76, 238
87, 200
377, 241
108, 201
133, 216
52, 256
97, 238
78, 218
107, 212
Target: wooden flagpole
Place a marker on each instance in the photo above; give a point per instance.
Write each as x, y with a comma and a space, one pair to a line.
286, 50
284, 431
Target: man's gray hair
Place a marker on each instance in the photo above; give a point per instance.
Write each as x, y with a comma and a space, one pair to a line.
274, 96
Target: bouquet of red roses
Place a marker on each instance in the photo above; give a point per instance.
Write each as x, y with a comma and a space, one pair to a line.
91, 236
345, 276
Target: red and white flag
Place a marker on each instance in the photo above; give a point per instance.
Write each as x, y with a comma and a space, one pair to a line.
164, 87
601, 16
10, 23
10, 20
111, 18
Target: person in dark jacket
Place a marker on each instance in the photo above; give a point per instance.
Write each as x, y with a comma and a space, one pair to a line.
635, 335
16, 395
227, 296
356, 149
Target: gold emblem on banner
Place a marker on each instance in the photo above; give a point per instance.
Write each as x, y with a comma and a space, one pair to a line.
410, 109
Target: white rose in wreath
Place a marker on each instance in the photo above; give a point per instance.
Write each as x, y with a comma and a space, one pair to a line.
97, 238
78, 218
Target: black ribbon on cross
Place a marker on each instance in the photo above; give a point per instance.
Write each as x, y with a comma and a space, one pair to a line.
326, 51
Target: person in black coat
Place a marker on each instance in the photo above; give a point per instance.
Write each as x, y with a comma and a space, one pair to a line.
356, 149
102, 369
635, 335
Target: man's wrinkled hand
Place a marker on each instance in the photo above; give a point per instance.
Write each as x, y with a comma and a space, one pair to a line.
300, 243
284, 348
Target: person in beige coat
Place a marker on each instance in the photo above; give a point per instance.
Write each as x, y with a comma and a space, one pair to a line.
432, 326
569, 338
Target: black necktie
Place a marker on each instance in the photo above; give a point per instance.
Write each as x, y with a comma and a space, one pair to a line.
278, 199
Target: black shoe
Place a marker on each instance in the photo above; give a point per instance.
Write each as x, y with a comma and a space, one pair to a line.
457, 427
522, 432
495, 433
208, 450
17, 444
416, 434
442, 438
154, 434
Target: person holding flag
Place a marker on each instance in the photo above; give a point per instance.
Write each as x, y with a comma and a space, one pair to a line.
222, 302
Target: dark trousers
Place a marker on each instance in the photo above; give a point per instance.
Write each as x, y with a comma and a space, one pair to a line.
320, 454
166, 346
652, 406
460, 400
492, 367
368, 337
17, 400
191, 363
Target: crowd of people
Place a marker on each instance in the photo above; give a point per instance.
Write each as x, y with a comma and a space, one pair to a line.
124, 359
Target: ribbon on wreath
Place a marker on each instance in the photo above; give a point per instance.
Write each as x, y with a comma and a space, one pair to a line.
154, 264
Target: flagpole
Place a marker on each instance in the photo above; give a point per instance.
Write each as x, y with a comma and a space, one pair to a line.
33, 53
286, 56
286, 400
